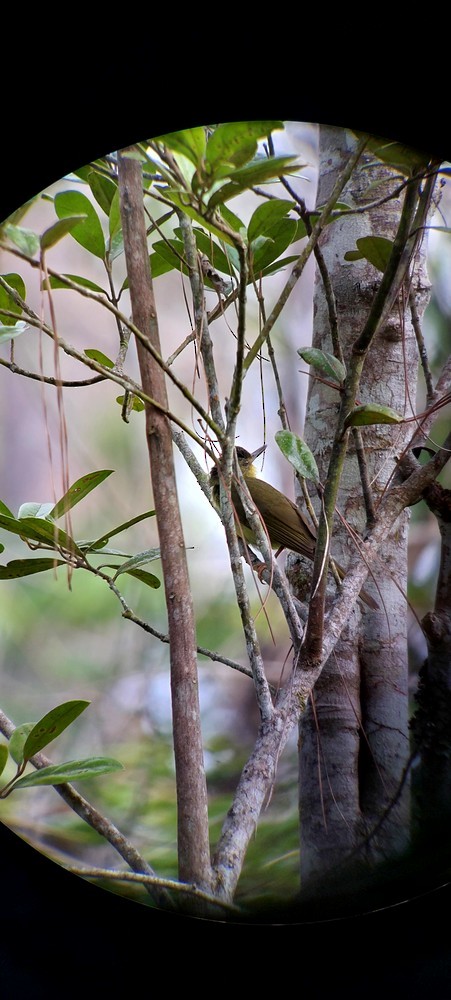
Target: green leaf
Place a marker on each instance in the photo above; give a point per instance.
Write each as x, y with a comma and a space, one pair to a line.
236, 142
18, 739
266, 215
3, 756
181, 203
136, 404
405, 159
16, 282
27, 567
299, 454
5, 510
11, 332
372, 413
72, 770
103, 189
25, 239
139, 560
38, 529
78, 491
34, 509
212, 250
52, 725
78, 279
278, 265
88, 234
233, 221
277, 240
190, 142
115, 215
140, 574
148, 578
116, 245
121, 527
167, 250
98, 356
375, 249
323, 362
158, 265
257, 172
59, 229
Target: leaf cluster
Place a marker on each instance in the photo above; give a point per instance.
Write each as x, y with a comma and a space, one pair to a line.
36, 525
31, 737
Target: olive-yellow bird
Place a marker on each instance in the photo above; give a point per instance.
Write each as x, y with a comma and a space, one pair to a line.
286, 526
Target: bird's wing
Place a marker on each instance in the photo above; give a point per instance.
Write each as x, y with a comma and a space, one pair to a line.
284, 522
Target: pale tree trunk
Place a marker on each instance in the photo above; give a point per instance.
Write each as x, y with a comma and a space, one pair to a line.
354, 739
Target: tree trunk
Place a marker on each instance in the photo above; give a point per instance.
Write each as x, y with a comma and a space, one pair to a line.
192, 803
354, 743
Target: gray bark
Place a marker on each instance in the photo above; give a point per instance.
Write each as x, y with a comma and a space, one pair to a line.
354, 742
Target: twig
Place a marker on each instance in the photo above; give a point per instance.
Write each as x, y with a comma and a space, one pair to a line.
364, 477
430, 392
165, 883
298, 268
48, 379
140, 336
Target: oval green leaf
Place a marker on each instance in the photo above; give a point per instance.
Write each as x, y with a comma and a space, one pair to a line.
17, 568
3, 756
139, 560
89, 234
11, 332
98, 356
17, 741
218, 259
372, 413
32, 509
25, 239
78, 491
298, 454
323, 362
375, 249
38, 529
51, 726
71, 770
257, 172
136, 403
278, 238
16, 283
236, 142
266, 216
78, 279
148, 578
59, 229
190, 142
103, 189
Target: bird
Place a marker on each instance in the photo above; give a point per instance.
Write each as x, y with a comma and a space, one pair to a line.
285, 524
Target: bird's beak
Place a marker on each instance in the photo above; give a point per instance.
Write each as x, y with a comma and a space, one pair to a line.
259, 451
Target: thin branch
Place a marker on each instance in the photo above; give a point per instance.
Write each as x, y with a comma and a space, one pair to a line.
364, 477
48, 379
140, 336
201, 322
149, 880
430, 392
298, 268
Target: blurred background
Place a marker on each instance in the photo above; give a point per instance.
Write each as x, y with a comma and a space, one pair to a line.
59, 644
